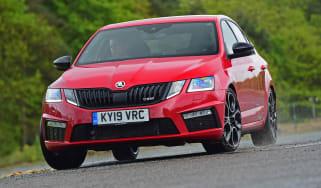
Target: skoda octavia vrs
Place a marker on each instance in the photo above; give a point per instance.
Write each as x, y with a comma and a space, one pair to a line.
162, 81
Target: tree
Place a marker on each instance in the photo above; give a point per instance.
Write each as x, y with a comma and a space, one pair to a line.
78, 20
26, 44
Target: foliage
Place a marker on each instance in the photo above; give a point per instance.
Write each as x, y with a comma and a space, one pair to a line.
29, 154
76, 21
26, 45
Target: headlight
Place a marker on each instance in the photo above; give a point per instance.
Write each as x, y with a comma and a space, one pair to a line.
53, 95
175, 89
201, 84
71, 97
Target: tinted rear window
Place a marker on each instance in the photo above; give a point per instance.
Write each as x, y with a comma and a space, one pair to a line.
147, 41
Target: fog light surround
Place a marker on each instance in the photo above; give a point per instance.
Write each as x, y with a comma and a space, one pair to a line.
56, 124
198, 113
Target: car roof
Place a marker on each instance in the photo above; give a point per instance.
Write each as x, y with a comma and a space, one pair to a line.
188, 18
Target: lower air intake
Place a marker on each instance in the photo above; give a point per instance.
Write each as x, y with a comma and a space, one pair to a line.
154, 127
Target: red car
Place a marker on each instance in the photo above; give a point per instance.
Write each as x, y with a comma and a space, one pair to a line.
161, 81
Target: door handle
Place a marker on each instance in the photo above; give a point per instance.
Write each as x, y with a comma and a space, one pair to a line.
251, 68
263, 67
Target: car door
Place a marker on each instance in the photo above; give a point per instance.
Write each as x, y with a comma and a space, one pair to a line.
259, 65
243, 72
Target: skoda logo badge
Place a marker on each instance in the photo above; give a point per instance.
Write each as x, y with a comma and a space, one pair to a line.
120, 84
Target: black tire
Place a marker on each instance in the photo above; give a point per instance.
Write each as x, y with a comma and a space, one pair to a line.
125, 153
232, 127
66, 159
268, 135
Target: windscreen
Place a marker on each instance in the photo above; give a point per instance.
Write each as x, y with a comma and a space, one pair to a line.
148, 41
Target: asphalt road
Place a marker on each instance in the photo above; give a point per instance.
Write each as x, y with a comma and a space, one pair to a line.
295, 161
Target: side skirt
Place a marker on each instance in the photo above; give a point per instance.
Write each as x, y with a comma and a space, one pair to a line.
251, 127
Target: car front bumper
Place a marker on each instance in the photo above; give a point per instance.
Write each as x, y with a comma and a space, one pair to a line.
171, 109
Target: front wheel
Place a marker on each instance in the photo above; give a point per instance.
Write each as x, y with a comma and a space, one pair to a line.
125, 153
232, 127
269, 133
66, 159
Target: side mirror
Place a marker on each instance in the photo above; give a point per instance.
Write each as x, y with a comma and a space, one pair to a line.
242, 49
62, 63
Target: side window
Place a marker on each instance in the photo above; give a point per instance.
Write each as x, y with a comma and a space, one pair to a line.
228, 36
238, 33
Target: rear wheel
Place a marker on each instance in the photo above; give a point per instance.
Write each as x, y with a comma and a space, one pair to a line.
232, 127
125, 153
269, 134
66, 159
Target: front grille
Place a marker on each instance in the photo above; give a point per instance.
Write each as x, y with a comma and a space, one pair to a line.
55, 133
95, 98
154, 127
203, 122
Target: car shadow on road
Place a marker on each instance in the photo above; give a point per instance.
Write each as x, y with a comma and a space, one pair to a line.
147, 159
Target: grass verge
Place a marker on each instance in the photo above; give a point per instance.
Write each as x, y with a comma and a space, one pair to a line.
29, 154
299, 128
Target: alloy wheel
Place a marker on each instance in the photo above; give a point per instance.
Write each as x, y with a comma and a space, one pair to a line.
232, 121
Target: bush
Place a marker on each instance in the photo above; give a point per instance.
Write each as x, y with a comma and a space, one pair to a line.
29, 154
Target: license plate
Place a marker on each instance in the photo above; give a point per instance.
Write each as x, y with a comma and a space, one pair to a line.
120, 116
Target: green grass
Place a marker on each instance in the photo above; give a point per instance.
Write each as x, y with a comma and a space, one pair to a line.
302, 127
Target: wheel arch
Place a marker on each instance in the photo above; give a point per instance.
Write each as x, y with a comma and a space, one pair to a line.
232, 87
273, 90
272, 87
